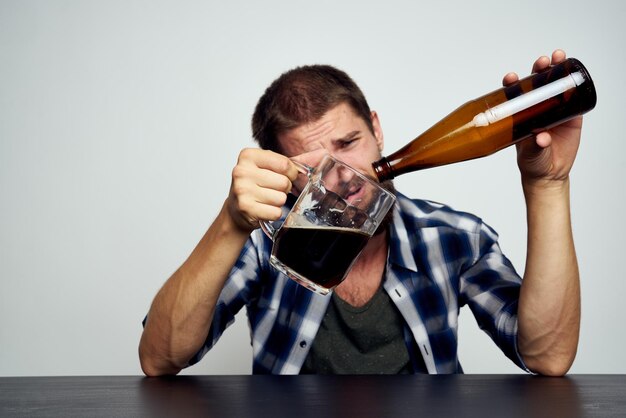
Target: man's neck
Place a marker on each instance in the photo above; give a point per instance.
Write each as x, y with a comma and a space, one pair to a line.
366, 274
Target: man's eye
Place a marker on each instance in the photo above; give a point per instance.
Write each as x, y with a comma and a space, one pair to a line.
345, 144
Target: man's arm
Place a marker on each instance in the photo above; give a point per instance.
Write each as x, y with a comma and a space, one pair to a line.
549, 304
181, 313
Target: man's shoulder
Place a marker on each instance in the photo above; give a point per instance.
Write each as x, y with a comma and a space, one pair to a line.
422, 213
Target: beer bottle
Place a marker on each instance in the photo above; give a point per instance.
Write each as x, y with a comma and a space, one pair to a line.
496, 120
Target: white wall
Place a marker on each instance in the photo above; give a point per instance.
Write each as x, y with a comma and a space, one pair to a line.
120, 122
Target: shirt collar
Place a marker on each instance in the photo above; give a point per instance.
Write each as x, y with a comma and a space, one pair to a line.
400, 252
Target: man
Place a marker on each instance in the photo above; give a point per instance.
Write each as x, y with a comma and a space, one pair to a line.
396, 312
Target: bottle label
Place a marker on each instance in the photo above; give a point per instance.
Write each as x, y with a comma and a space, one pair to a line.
527, 100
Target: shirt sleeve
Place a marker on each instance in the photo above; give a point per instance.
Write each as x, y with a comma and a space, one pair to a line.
239, 290
491, 288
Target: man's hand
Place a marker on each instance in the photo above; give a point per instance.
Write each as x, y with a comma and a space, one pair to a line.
260, 183
547, 160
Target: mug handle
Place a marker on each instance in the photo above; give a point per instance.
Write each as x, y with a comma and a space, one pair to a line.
269, 230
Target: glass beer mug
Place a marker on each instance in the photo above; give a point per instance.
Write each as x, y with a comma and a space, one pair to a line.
332, 220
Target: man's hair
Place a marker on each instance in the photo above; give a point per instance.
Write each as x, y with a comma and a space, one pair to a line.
304, 95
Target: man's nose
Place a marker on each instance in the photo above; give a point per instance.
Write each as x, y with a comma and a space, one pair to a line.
344, 174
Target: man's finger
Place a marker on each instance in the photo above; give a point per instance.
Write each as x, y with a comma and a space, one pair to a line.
509, 79
541, 64
558, 56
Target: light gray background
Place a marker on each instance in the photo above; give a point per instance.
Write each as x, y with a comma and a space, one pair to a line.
121, 120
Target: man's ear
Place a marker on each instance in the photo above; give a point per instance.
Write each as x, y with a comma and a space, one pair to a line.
378, 131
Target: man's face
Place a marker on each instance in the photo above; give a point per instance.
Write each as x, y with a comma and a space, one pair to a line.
339, 132
345, 136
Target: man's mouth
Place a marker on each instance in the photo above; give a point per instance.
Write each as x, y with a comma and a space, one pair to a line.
355, 194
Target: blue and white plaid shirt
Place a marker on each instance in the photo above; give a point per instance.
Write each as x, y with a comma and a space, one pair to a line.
439, 260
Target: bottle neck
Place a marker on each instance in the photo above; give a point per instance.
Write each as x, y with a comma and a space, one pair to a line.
383, 170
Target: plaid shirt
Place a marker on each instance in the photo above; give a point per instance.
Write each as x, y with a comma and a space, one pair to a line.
439, 260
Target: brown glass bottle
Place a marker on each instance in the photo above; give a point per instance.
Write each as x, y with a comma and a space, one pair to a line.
496, 120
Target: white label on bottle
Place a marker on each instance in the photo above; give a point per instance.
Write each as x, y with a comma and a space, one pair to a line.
529, 99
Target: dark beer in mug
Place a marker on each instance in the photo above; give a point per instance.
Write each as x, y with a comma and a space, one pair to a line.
322, 255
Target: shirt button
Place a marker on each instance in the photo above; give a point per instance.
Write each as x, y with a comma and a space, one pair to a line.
302, 344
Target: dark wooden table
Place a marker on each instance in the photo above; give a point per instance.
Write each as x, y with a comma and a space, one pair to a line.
314, 396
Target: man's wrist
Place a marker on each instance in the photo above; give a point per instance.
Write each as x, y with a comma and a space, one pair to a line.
228, 225
543, 188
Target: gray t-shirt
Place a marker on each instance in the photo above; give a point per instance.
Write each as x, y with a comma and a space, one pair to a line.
359, 340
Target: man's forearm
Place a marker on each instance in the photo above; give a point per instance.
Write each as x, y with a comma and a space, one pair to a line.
549, 306
180, 316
